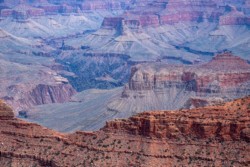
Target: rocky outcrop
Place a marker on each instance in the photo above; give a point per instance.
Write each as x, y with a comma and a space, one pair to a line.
211, 136
181, 17
40, 94
234, 18
153, 14
44, 94
226, 123
196, 102
5, 111
143, 20
223, 72
160, 86
189, 11
144, 13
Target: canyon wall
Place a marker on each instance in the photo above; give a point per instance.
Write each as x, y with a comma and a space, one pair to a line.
152, 86
171, 12
200, 123
160, 86
146, 13
210, 136
40, 94
222, 73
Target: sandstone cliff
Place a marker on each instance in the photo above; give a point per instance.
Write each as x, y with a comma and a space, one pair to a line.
161, 86
210, 136
221, 73
218, 122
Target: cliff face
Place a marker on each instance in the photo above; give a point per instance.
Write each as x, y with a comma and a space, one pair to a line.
40, 94
5, 111
225, 71
40, 8
234, 17
160, 86
226, 123
145, 13
44, 94
211, 136
156, 13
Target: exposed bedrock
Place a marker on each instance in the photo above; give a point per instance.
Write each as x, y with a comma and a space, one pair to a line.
210, 136
40, 94
156, 13
223, 73
159, 86
220, 122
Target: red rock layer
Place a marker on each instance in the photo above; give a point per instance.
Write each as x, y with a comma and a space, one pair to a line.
224, 72
143, 12
210, 136
219, 122
155, 13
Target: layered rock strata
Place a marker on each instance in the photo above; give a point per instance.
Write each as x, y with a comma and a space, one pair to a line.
223, 73
160, 86
40, 94
144, 13
210, 136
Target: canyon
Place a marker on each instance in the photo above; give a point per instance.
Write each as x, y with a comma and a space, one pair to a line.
124, 83
214, 136
65, 55
152, 86
53, 50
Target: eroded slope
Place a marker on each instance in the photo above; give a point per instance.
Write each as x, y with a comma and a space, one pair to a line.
210, 136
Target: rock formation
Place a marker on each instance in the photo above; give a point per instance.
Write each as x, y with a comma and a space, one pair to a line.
5, 111
223, 72
155, 13
159, 86
152, 86
25, 85
207, 122
40, 94
146, 13
210, 136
